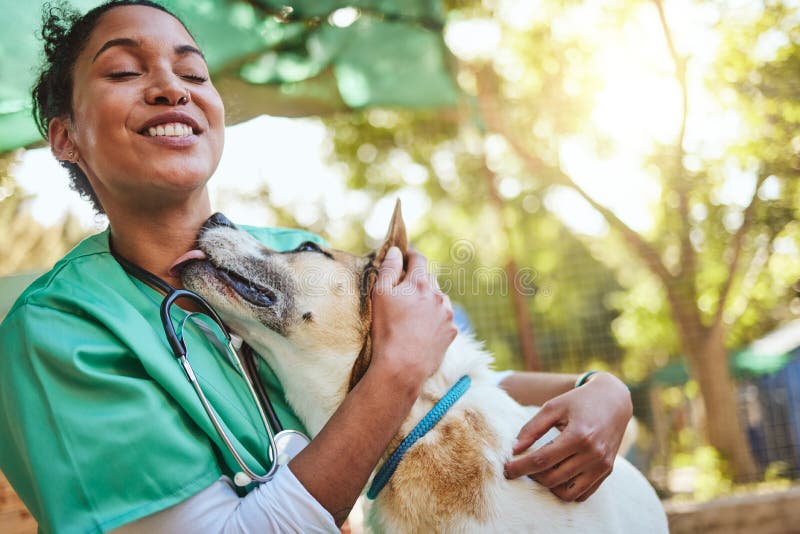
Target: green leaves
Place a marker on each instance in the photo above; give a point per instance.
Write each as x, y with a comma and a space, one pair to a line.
307, 55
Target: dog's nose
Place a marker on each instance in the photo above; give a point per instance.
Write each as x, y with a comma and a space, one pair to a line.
219, 219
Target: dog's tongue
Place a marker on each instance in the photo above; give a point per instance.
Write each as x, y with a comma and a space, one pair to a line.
195, 254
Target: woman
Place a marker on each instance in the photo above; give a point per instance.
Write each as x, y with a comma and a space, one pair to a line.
101, 430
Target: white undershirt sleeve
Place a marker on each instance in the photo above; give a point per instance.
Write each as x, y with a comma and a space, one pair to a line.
499, 376
281, 505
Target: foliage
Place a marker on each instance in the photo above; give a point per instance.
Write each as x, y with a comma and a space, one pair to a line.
433, 157
25, 245
715, 267
444, 156
711, 476
756, 77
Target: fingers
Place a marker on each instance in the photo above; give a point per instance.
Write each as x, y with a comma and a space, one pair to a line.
548, 417
434, 282
575, 478
412, 322
562, 472
389, 271
583, 484
540, 460
417, 273
575, 464
594, 487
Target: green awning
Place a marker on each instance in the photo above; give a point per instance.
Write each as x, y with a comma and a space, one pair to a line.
748, 363
672, 374
283, 58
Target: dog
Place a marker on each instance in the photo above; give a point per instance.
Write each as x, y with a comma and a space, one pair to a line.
307, 312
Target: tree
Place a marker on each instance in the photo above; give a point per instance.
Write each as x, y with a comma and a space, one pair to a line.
698, 263
719, 270
25, 244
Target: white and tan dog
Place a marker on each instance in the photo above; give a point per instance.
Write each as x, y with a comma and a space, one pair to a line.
307, 311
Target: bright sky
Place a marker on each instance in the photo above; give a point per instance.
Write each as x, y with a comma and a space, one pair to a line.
286, 155
637, 106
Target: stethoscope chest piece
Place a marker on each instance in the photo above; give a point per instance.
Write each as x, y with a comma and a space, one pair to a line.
288, 444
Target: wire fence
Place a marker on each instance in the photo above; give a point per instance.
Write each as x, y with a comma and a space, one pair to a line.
667, 406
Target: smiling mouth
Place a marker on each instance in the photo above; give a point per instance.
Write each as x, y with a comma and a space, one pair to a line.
169, 129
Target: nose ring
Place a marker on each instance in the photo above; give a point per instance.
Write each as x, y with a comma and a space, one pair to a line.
184, 99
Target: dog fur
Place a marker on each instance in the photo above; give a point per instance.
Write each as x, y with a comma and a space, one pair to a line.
314, 329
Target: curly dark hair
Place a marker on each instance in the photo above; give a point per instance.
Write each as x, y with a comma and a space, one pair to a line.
65, 33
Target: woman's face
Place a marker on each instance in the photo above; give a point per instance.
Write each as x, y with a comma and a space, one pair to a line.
147, 124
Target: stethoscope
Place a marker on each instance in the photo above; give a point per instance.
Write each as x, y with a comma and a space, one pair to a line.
283, 445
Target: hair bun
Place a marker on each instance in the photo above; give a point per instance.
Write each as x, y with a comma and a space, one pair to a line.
57, 20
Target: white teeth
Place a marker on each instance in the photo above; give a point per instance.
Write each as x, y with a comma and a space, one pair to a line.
170, 129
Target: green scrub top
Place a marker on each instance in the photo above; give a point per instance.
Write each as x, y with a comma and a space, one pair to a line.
98, 423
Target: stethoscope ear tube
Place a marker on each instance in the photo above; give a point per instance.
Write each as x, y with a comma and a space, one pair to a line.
176, 342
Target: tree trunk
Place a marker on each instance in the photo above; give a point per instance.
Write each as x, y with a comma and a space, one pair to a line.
525, 335
708, 363
522, 316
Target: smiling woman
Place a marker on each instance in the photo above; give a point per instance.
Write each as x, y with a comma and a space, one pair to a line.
65, 34
139, 72
104, 431
88, 380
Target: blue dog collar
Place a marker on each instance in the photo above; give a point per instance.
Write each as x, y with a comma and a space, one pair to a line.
423, 427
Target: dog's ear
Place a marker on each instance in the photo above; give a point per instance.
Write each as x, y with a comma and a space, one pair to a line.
395, 237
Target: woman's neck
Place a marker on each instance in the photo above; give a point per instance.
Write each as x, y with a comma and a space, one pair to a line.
153, 240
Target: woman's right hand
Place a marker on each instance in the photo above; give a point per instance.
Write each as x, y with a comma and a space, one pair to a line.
412, 321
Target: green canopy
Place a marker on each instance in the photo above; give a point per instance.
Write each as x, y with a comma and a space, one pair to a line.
288, 58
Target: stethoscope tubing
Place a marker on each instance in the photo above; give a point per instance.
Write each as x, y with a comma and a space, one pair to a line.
250, 364
266, 412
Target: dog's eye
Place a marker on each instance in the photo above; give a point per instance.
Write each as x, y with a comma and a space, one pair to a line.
308, 246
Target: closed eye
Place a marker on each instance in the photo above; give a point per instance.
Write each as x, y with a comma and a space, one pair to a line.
195, 78
122, 74
310, 246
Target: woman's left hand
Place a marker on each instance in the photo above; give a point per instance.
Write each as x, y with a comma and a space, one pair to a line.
592, 420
